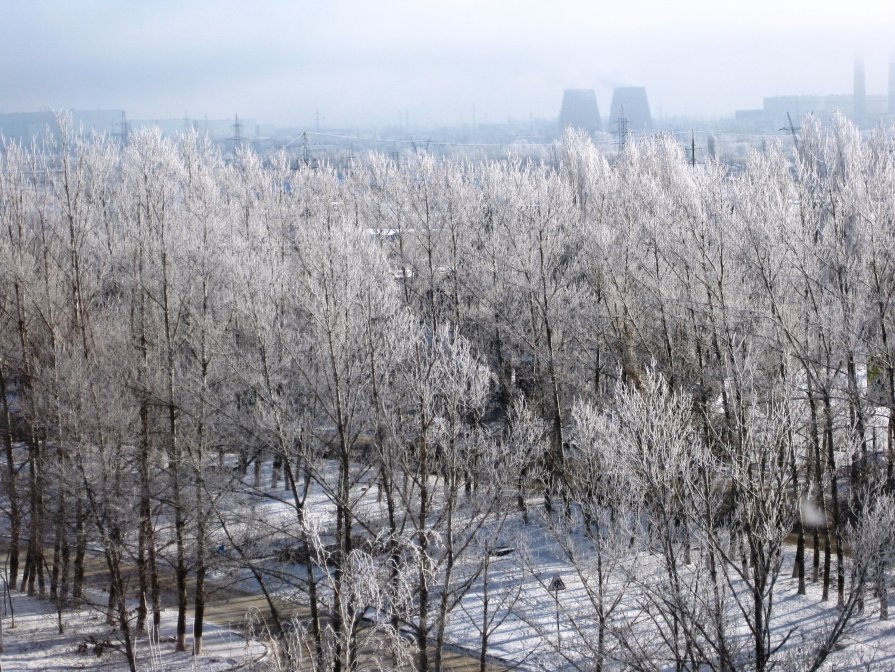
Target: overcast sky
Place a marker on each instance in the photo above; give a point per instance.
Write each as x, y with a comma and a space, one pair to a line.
364, 62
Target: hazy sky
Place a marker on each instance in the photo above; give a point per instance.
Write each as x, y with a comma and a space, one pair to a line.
361, 62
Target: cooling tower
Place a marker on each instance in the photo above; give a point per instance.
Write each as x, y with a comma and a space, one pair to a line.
579, 110
631, 99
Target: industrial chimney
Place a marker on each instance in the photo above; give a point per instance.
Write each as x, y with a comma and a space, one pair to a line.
860, 94
892, 86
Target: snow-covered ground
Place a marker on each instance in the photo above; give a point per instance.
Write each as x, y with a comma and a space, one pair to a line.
523, 631
527, 635
35, 643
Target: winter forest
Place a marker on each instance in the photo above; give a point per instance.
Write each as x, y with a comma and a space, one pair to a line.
409, 396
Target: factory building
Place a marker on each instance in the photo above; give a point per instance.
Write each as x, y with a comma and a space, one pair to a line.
863, 109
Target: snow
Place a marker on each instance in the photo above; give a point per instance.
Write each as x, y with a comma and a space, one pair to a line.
528, 636
524, 612
524, 632
35, 643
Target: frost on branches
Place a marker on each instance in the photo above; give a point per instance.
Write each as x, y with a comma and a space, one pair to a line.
393, 401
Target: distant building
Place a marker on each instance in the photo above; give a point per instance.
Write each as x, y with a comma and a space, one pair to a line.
579, 110
865, 110
27, 126
776, 107
24, 126
773, 115
631, 103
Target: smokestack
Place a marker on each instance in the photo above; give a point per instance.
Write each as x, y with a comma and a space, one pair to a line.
892, 86
860, 93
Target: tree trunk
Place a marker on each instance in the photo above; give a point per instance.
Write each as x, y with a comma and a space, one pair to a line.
117, 588
34, 570
450, 495
199, 615
882, 591
834, 497
173, 447
56, 569
483, 643
9, 481
80, 552
422, 635
818, 489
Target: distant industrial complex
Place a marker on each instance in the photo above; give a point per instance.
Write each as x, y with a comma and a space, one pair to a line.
628, 113
26, 126
630, 108
863, 109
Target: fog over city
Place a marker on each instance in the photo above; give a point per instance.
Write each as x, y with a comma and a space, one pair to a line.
367, 63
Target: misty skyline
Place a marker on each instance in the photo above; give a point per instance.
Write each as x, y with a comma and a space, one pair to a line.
357, 63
